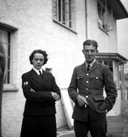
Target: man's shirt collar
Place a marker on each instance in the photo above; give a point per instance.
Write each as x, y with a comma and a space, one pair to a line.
91, 64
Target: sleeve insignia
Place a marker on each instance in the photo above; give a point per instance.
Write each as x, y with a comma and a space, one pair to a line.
25, 83
110, 79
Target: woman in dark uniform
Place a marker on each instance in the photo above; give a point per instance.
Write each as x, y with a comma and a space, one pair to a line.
41, 93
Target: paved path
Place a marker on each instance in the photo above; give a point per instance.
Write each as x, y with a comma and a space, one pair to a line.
117, 125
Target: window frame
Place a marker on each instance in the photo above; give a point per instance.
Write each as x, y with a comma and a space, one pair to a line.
7, 54
63, 12
109, 63
8, 86
105, 14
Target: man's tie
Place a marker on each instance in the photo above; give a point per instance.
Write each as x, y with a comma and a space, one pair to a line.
88, 67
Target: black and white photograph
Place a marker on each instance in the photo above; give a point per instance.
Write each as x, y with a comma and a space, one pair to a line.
63, 68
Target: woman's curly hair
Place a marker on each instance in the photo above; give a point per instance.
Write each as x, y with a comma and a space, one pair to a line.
41, 52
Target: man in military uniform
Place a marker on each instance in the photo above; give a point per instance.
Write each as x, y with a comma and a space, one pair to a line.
86, 90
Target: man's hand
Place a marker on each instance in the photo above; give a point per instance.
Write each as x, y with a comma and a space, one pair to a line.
55, 96
81, 101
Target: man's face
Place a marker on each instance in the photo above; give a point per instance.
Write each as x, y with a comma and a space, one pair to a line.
38, 60
89, 52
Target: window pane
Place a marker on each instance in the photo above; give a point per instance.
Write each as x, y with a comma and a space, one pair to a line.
102, 8
109, 63
5, 39
64, 12
106, 62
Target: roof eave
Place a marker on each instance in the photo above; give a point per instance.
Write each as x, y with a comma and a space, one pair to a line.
112, 56
118, 9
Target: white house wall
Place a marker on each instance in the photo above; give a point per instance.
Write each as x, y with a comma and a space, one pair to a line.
33, 19
36, 30
106, 41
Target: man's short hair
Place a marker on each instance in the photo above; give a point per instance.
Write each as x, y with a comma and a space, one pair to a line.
91, 42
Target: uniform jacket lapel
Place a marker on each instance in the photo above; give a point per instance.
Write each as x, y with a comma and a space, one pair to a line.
41, 80
83, 67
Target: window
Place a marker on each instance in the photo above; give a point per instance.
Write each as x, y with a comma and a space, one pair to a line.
64, 12
105, 15
108, 63
5, 40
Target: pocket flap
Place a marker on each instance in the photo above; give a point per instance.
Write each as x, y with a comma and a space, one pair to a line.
80, 76
96, 76
98, 98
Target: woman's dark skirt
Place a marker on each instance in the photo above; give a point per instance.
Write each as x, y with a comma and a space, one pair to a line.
39, 126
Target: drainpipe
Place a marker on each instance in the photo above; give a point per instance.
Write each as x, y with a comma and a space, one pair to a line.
86, 21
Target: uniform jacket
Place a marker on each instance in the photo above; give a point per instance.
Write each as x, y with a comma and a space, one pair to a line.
41, 101
91, 85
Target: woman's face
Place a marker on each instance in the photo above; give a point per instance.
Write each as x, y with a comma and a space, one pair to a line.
38, 60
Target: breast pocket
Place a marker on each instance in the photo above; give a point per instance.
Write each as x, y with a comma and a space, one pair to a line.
97, 81
80, 82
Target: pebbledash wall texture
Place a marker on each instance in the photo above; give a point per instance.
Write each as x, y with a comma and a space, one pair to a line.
32, 27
